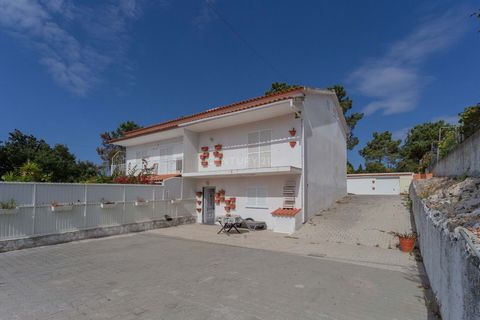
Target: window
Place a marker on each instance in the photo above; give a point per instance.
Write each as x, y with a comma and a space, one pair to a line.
257, 197
259, 155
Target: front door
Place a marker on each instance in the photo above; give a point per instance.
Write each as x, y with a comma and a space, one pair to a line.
209, 205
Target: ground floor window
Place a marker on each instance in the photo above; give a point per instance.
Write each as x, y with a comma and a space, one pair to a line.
257, 197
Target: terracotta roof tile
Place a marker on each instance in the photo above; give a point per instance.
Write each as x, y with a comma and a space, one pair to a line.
161, 177
234, 107
286, 212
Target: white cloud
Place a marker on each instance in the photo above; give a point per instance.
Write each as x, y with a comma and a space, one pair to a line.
76, 61
394, 81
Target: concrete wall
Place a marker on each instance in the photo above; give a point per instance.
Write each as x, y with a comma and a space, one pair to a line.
325, 154
452, 269
234, 141
463, 160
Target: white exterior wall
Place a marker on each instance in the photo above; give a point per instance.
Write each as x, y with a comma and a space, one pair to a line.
152, 151
325, 155
234, 141
237, 187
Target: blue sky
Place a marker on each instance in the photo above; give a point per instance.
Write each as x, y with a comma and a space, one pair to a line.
70, 70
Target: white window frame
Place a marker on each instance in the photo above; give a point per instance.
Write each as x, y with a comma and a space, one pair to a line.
257, 197
259, 151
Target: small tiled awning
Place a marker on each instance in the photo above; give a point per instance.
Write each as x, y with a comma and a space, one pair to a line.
286, 212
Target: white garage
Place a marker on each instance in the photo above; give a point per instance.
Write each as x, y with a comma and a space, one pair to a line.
379, 183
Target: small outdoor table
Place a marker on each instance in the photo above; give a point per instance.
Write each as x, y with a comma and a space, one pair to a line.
229, 222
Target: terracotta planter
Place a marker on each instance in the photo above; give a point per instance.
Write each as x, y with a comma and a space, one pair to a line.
205, 149
202, 157
199, 202
407, 244
206, 154
233, 199
218, 163
204, 164
233, 206
220, 155
199, 193
292, 143
293, 132
199, 210
221, 191
218, 147
221, 198
227, 201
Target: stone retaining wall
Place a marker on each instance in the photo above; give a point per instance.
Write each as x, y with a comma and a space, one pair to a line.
15, 244
452, 268
463, 160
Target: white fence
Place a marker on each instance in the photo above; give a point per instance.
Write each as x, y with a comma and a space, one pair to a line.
79, 206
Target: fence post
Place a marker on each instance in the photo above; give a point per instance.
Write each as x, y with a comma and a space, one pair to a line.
124, 213
34, 198
85, 209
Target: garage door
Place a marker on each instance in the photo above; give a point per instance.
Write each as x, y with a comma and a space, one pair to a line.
377, 185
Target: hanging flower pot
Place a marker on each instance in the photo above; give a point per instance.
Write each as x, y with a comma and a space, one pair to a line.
227, 208
205, 148
233, 199
217, 202
292, 143
218, 147
233, 206
216, 153
202, 157
221, 191
199, 202
199, 193
220, 155
221, 198
218, 163
293, 132
199, 210
227, 201
206, 154
204, 164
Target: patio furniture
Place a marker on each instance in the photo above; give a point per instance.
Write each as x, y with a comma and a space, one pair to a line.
253, 225
229, 222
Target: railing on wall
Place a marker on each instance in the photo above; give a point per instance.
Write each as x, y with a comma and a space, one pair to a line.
51, 208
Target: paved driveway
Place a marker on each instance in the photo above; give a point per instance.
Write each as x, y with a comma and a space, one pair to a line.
154, 276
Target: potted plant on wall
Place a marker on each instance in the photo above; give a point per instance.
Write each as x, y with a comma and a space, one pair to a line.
407, 241
61, 207
218, 162
218, 147
8, 207
205, 148
107, 204
292, 132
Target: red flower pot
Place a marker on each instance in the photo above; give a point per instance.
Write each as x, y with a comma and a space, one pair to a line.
220, 155
221, 191
292, 143
205, 149
218, 163
407, 244
293, 132
233, 206
199, 193
199, 210
202, 157
217, 202
199, 202
218, 147
221, 198
204, 164
233, 199
227, 201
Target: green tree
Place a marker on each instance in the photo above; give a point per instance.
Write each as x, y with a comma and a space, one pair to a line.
382, 149
469, 120
419, 141
375, 167
350, 117
107, 150
345, 103
278, 87
350, 168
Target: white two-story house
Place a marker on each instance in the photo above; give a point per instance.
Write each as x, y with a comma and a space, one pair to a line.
279, 158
